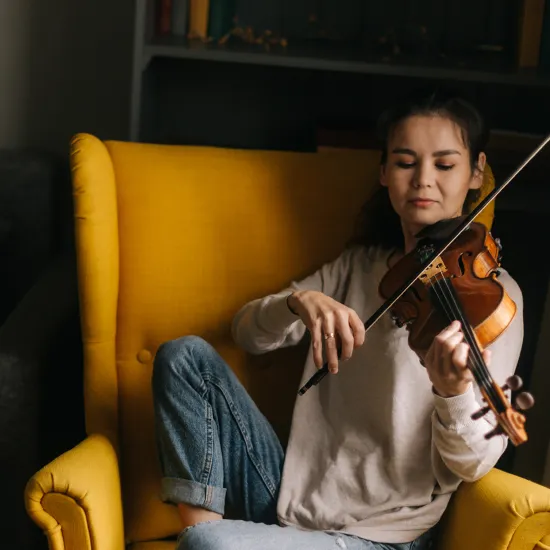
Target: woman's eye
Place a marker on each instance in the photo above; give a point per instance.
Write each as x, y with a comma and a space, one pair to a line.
443, 167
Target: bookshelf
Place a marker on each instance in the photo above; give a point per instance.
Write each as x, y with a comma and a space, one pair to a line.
487, 73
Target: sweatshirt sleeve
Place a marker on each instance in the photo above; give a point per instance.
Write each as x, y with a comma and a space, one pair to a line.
460, 441
266, 323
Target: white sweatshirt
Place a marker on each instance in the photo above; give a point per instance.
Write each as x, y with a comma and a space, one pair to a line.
373, 451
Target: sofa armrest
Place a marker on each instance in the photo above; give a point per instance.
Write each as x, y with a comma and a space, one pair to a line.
499, 511
76, 499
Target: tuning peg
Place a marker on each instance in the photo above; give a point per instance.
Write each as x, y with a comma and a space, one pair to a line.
524, 401
482, 412
497, 431
513, 383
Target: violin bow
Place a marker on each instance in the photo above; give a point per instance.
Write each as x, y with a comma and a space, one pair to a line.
461, 227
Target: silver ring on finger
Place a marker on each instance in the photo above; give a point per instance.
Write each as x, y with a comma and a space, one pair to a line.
329, 335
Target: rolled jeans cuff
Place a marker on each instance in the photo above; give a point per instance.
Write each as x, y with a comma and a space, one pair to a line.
184, 491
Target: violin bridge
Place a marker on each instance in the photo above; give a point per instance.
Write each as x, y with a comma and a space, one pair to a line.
434, 271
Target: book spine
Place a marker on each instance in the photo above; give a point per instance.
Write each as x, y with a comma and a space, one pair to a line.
222, 14
198, 18
180, 17
165, 17
530, 32
544, 55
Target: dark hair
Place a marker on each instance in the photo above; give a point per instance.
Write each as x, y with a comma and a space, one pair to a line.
378, 224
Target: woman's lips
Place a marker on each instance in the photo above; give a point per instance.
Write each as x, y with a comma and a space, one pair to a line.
422, 203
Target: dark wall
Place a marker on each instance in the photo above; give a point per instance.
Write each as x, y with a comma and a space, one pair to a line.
41, 405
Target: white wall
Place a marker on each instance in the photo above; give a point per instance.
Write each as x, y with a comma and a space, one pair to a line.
65, 67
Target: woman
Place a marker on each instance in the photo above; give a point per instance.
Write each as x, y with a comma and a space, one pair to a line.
375, 454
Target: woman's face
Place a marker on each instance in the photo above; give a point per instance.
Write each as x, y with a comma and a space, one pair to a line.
428, 172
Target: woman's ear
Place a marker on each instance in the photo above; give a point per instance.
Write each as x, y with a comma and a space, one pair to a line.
477, 180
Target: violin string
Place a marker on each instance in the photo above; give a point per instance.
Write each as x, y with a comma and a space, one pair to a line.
447, 305
469, 332
475, 358
482, 366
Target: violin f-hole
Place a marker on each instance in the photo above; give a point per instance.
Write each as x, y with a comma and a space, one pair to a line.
461, 263
416, 294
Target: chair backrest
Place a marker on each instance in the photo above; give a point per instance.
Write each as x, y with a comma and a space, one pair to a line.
172, 240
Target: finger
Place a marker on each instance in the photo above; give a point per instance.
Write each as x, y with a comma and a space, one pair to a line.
357, 328
460, 356
329, 337
317, 343
430, 355
443, 351
346, 336
449, 345
448, 331
487, 354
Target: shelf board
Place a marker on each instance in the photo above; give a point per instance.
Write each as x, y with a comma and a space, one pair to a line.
341, 58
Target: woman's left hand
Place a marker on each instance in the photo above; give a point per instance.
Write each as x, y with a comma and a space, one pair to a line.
446, 362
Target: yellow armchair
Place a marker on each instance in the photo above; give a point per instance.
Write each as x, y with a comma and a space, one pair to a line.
172, 240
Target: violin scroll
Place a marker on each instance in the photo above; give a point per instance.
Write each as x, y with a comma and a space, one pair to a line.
510, 421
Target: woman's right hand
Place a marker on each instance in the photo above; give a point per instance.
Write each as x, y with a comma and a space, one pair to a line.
329, 322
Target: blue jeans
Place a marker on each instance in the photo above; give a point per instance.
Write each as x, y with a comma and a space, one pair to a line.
218, 451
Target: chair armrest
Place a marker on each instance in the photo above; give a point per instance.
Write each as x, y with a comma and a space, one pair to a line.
76, 499
499, 511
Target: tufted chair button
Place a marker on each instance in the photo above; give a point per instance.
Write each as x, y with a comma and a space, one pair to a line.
144, 356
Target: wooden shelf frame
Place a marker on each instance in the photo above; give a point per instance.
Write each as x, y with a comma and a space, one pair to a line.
341, 58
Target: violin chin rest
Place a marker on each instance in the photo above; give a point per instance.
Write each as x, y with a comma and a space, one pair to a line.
440, 230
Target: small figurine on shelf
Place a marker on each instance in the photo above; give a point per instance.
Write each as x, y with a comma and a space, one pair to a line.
247, 35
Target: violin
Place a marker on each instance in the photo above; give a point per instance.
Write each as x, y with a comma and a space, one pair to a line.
452, 274
462, 283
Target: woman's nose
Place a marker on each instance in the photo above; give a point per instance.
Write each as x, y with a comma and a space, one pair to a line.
423, 177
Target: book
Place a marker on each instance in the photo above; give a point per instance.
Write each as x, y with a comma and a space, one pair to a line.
221, 16
198, 18
530, 32
180, 11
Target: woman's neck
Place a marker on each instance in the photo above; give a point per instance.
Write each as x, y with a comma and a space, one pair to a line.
409, 237
409, 243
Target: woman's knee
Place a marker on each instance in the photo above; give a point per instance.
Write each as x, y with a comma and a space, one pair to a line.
187, 358
174, 359
173, 351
